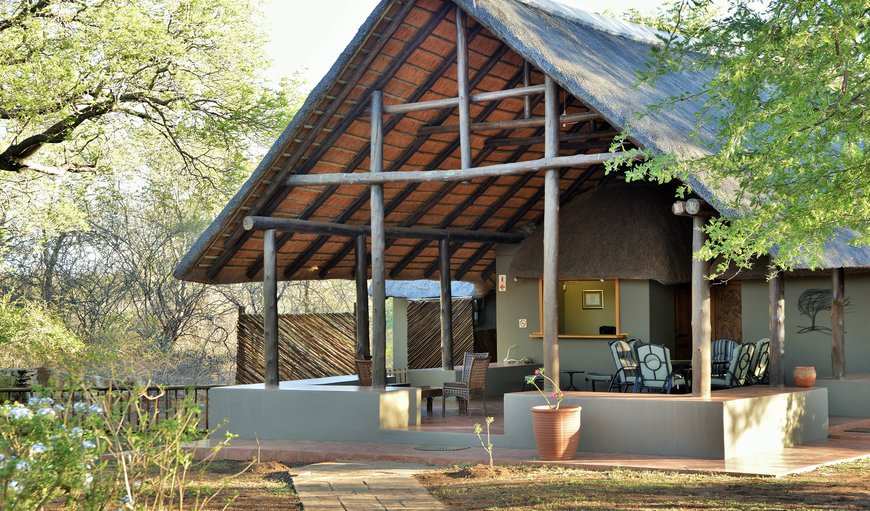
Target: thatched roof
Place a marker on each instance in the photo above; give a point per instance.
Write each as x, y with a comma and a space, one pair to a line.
621, 230
407, 49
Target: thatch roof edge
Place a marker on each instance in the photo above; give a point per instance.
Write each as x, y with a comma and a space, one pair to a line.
223, 219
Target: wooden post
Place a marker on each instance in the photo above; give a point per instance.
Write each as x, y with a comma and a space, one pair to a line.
777, 330
551, 236
527, 80
362, 300
462, 83
379, 292
270, 309
838, 324
701, 325
446, 306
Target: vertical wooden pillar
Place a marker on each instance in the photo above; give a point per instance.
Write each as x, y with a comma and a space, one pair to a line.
701, 325
270, 308
446, 305
362, 300
551, 234
462, 83
777, 330
838, 324
527, 80
379, 292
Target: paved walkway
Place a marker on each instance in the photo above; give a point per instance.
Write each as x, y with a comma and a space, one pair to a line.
362, 485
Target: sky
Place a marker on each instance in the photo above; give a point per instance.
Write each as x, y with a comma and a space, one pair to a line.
308, 35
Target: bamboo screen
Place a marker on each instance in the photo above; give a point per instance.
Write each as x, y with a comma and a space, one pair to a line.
309, 346
424, 332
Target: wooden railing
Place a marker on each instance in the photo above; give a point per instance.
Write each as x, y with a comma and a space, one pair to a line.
157, 401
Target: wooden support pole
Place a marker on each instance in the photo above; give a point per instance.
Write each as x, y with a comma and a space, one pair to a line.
551, 235
527, 80
430, 176
838, 324
270, 309
379, 291
363, 349
776, 285
701, 323
446, 306
462, 94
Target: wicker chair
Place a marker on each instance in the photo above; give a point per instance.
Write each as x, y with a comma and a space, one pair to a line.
364, 371
473, 381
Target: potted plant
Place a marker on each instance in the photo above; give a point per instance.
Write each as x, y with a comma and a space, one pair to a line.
557, 428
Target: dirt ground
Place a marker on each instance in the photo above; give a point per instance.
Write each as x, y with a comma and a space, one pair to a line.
266, 486
841, 487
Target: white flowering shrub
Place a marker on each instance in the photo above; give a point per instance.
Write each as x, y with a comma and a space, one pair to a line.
103, 453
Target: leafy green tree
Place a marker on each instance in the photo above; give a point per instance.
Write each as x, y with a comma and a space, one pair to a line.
788, 108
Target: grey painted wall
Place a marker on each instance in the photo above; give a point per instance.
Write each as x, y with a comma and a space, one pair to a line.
812, 347
661, 314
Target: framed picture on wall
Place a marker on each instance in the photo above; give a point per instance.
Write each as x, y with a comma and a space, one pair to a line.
593, 299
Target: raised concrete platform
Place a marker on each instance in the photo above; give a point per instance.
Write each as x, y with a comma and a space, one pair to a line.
849, 397
792, 460
732, 423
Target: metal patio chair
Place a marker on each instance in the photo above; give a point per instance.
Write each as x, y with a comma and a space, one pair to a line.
738, 369
721, 351
656, 373
364, 372
626, 365
474, 369
758, 367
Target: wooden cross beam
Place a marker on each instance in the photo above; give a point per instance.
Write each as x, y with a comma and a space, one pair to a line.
263, 223
534, 122
429, 176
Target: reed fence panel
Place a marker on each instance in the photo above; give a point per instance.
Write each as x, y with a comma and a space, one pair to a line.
424, 332
309, 346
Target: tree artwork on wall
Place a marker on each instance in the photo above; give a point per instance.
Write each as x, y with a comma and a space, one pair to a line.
810, 303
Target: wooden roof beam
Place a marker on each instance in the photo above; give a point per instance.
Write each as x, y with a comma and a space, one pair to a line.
693, 207
363, 153
430, 176
264, 223
275, 191
450, 103
534, 122
573, 137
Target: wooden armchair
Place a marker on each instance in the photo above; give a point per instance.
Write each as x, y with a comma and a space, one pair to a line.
473, 381
364, 371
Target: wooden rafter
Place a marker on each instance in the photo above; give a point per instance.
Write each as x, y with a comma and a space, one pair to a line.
276, 191
362, 154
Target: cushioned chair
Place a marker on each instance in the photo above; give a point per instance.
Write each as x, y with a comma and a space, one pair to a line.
626, 365
474, 369
721, 351
655, 371
364, 372
760, 362
738, 369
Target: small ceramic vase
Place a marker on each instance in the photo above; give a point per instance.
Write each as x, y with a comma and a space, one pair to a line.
804, 376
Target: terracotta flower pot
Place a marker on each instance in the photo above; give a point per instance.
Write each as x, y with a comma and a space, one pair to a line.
804, 376
557, 432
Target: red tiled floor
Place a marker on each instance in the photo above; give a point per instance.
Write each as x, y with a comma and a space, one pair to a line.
454, 422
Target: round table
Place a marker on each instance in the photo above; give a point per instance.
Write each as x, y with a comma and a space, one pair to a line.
571, 379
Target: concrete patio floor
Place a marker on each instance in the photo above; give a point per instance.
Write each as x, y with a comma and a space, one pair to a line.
792, 460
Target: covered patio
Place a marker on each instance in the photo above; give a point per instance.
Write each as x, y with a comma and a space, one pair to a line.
520, 100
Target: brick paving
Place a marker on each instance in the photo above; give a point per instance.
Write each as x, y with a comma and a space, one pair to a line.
356, 485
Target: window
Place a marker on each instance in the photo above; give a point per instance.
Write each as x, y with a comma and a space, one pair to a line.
587, 308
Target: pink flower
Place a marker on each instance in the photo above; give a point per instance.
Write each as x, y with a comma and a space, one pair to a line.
537, 371
555, 395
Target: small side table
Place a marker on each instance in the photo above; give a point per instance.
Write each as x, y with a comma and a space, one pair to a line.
594, 378
571, 379
429, 394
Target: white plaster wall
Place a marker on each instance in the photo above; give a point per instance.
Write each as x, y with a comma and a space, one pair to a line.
400, 333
